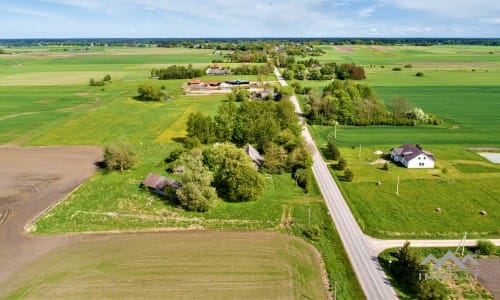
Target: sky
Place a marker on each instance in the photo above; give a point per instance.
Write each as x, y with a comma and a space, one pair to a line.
248, 18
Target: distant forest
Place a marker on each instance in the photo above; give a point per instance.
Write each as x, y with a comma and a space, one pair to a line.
243, 43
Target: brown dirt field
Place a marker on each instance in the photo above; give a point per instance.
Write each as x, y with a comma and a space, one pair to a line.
489, 275
32, 180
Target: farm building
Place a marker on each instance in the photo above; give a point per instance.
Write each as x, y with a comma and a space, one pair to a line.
412, 156
157, 183
218, 70
254, 155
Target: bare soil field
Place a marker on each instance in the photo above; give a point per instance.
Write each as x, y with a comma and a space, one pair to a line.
32, 180
489, 275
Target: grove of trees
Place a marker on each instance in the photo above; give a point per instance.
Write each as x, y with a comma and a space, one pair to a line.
177, 72
351, 103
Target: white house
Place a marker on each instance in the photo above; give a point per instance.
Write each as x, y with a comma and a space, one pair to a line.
413, 156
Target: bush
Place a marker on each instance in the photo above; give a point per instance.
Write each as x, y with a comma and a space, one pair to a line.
386, 166
332, 152
396, 69
419, 74
192, 142
342, 164
348, 175
303, 178
149, 91
119, 156
486, 247
312, 233
107, 78
408, 66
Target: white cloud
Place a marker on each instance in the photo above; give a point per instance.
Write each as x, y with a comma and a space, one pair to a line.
495, 21
466, 9
366, 12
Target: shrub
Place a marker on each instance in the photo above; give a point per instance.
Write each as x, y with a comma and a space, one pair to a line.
348, 175
303, 178
119, 156
386, 166
312, 233
396, 69
408, 66
419, 74
149, 91
342, 164
192, 142
486, 247
107, 78
332, 152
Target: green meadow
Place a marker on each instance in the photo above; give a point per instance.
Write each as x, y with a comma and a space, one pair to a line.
460, 85
59, 108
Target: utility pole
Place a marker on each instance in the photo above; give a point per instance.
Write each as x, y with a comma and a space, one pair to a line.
462, 243
335, 130
359, 155
397, 187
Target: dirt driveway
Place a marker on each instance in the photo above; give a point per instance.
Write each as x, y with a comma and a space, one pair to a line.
32, 180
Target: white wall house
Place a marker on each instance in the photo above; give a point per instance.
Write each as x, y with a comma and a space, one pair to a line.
413, 157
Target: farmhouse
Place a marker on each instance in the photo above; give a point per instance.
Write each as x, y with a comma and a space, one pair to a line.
412, 156
157, 184
254, 155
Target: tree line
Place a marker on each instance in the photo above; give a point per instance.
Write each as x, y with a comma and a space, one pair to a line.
349, 103
177, 72
312, 70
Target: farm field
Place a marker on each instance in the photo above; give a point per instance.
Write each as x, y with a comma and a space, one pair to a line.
60, 111
178, 265
468, 103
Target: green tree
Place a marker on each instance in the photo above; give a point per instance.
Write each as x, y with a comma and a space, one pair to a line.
275, 159
342, 164
225, 121
119, 156
196, 193
432, 290
107, 77
236, 179
201, 126
303, 178
348, 175
332, 152
149, 91
407, 267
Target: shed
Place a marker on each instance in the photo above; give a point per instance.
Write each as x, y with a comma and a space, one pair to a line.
157, 183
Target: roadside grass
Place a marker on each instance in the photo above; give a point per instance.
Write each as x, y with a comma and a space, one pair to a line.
462, 287
180, 265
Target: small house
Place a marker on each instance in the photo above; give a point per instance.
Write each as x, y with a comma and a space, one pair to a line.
218, 70
413, 156
157, 183
254, 155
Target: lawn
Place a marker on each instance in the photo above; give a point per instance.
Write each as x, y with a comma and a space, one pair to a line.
468, 103
177, 265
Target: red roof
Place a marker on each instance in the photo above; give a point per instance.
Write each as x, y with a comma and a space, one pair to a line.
214, 83
194, 81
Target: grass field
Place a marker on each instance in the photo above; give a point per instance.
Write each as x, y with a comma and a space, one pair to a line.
177, 265
468, 103
75, 113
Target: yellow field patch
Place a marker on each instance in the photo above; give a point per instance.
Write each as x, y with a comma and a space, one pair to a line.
178, 128
54, 78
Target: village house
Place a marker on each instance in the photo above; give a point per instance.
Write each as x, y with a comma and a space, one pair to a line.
413, 156
159, 184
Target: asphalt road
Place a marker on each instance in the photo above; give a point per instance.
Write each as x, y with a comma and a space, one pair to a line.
361, 255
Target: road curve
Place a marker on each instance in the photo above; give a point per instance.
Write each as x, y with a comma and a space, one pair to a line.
362, 255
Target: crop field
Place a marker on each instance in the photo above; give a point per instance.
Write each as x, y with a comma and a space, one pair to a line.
468, 103
177, 265
58, 109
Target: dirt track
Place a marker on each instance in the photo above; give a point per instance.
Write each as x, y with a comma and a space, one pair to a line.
32, 180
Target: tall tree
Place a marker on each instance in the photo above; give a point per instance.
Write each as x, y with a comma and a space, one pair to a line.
119, 156
196, 192
149, 91
201, 126
225, 121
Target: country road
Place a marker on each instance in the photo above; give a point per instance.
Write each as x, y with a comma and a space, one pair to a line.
362, 256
